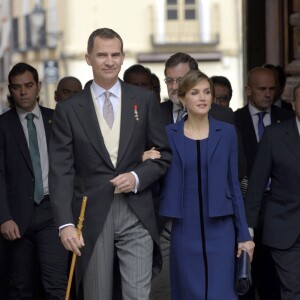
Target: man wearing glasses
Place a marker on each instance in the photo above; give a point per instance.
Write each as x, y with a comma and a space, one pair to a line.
222, 89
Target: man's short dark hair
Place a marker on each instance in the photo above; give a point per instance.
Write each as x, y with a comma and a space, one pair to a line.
21, 68
181, 57
280, 71
103, 33
137, 69
222, 80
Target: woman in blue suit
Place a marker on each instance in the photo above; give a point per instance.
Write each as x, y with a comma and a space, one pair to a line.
201, 194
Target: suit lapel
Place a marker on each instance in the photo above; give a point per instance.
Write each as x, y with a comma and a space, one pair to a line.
177, 136
128, 121
167, 111
18, 133
85, 110
248, 127
292, 138
215, 134
47, 119
276, 117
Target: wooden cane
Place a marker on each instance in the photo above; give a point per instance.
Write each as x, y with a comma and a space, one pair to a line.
79, 230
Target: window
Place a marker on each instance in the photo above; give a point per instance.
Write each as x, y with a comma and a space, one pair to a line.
181, 9
15, 29
172, 14
190, 14
172, 10
28, 32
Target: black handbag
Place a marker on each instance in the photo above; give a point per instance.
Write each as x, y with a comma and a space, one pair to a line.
243, 279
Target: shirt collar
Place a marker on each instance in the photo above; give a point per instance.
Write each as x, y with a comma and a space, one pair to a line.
99, 91
22, 113
253, 110
176, 107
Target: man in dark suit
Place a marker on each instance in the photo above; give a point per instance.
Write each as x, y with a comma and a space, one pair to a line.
250, 121
260, 91
278, 158
99, 136
26, 217
176, 67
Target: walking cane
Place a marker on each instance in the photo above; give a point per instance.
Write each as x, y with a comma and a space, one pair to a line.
79, 230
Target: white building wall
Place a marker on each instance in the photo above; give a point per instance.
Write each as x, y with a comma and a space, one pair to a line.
135, 21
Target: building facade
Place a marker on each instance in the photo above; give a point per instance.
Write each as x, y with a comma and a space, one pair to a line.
52, 35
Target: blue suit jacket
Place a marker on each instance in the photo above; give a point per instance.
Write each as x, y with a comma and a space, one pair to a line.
224, 195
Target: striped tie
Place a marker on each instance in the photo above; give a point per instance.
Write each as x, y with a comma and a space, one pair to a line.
35, 159
180, 114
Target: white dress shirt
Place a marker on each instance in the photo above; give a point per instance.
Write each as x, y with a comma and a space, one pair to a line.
42, 141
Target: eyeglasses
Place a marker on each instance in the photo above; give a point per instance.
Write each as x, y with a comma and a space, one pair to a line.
170, 81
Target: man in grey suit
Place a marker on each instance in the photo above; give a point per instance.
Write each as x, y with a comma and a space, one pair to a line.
99, 136
278, 158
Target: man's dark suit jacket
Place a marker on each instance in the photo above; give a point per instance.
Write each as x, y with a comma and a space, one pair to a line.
80, 163
220, 113
278, 157
244, 124
16, 173
284, 104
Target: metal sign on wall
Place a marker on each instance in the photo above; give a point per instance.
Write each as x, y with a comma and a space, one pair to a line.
51, 71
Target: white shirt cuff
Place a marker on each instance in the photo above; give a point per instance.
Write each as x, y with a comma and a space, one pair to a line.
251, 232
65, 225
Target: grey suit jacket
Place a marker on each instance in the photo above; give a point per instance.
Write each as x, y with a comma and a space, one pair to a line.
278, 157
80, 163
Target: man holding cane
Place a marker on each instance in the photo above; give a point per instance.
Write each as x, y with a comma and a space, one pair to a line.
99, 136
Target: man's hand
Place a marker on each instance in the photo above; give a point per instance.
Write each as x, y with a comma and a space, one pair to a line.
70, 239
124, 182
10, 230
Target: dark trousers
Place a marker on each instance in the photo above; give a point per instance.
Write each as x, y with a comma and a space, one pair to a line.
40, 245
288, 267
265, 280
3, 271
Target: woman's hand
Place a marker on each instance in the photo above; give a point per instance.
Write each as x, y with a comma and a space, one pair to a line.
248, 247
151, 154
